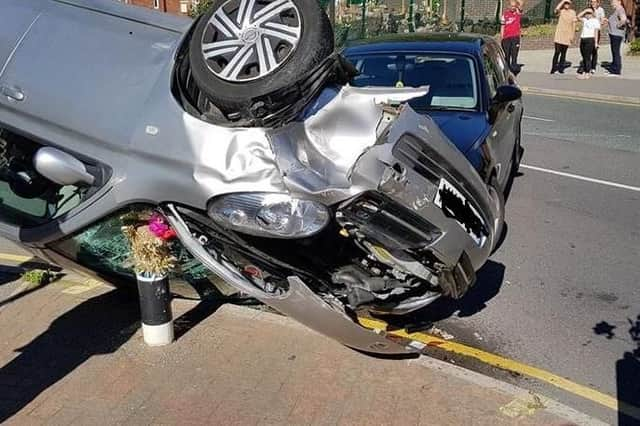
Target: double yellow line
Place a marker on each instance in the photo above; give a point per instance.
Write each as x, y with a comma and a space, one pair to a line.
506, 364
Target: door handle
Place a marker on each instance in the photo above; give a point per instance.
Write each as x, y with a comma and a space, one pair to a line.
511, 108
13, 93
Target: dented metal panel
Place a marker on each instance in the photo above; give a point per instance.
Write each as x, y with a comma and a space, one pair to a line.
315, 156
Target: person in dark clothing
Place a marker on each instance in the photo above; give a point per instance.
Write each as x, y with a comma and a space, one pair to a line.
510, 32
617, 24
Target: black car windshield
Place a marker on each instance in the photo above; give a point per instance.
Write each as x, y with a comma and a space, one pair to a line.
451, 78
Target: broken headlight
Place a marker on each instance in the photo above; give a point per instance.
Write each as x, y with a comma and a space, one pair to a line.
269, 215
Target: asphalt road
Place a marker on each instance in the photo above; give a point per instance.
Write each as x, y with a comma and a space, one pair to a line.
561, 290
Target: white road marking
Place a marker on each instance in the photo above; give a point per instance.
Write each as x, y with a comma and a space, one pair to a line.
584, 178
529, 117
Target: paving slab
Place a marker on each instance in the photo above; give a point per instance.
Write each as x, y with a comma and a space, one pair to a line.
79, 358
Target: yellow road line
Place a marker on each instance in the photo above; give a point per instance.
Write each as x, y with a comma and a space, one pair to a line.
509, 365
7, 257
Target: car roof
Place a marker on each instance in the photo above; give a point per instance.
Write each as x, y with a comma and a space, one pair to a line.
435, 42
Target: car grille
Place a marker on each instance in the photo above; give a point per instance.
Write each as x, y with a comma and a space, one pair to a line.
412, 153
455, 200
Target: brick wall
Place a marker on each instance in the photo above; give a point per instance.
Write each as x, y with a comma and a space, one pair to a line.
178, 7
486, 9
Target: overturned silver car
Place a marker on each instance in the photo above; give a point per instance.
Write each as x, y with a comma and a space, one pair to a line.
321, 200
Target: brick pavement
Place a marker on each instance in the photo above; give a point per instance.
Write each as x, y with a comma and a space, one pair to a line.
79, 359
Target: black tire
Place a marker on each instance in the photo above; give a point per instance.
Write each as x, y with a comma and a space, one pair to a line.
517, 152
498, 198
315, 43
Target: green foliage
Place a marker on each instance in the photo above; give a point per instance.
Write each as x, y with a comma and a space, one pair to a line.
634, 47
201, 8
485, 26
538, 31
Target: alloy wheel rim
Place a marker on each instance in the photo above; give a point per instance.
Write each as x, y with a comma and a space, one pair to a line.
249, 39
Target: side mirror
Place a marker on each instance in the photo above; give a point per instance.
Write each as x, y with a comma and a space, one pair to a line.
507, 93
61, 168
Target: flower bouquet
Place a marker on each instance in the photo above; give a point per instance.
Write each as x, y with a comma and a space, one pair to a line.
150, 239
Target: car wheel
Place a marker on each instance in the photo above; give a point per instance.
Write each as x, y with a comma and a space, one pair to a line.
517, 152
244, 49
497, 197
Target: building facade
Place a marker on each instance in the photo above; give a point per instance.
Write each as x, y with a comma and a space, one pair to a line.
178, 7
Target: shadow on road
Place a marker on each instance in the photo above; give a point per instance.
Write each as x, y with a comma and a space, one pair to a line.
9, 274
627, 373
97, 326
487, 286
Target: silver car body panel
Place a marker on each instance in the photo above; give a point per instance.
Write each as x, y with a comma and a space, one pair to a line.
96, 79
315, 156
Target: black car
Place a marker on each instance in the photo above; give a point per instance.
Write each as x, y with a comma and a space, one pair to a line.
473, 96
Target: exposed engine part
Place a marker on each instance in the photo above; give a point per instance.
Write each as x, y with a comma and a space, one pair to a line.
363, 288
406, 264
398, 272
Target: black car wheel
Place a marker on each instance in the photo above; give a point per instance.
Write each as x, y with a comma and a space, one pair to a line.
517, 151
243, 49
499, 199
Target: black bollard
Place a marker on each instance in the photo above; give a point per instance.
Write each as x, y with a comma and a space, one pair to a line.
155, 309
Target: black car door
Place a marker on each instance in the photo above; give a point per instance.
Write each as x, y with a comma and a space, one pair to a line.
502, 116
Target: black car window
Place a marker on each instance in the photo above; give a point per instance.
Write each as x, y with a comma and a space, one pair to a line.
26, 197
502, 64
451, 78
492, 74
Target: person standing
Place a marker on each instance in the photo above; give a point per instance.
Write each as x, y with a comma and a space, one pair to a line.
600, 15
565, 32
588, 41
510, 33
617, 25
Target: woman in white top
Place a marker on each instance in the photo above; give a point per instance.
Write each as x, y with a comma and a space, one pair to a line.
588, 41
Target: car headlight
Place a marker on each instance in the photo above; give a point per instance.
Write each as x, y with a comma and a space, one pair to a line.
269, 214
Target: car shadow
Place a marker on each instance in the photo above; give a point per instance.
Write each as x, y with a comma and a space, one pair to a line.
97, 326
488, 283
627, 372
9, 274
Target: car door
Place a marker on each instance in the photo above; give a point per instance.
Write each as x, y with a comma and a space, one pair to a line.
75, 93
501, 138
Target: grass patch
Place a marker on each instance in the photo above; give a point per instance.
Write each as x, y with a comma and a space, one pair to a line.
538, 31
634, 47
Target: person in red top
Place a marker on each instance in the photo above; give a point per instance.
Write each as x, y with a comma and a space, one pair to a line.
510, 33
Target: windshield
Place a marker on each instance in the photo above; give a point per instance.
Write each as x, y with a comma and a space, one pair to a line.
451, 78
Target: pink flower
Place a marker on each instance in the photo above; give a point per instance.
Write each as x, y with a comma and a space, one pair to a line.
159, 227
